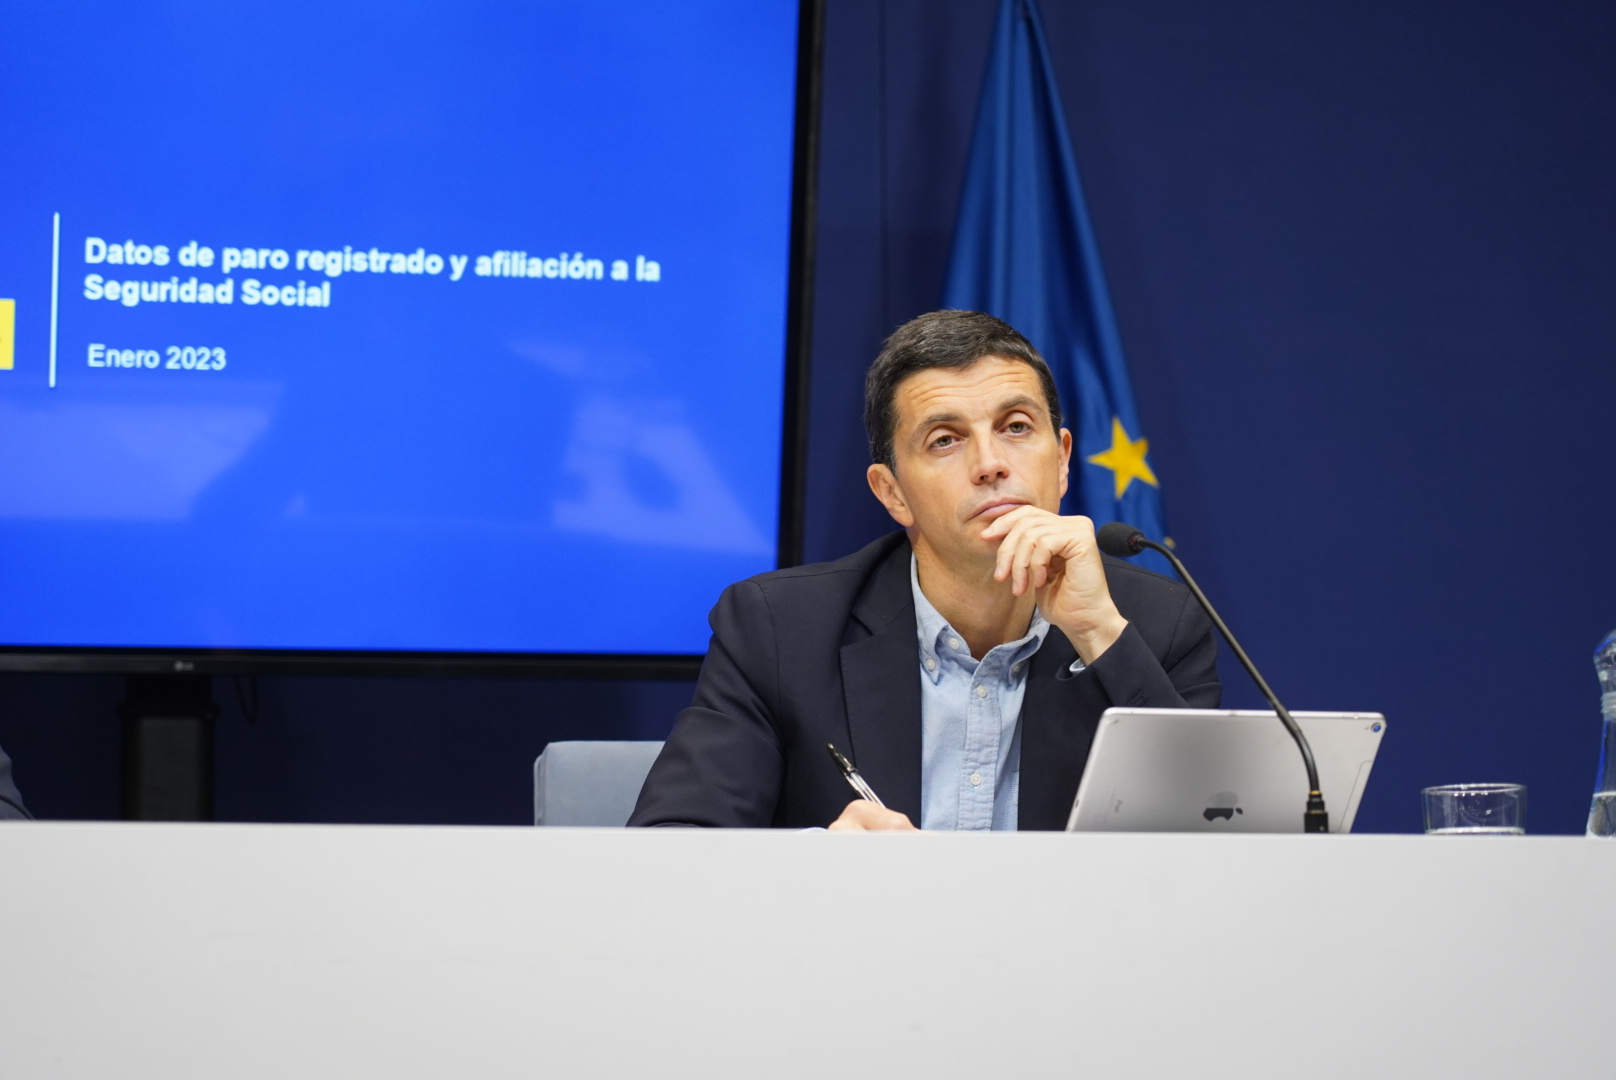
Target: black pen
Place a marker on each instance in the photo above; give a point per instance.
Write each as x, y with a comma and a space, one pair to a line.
854, 780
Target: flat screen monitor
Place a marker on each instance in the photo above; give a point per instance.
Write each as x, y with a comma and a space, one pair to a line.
432, 331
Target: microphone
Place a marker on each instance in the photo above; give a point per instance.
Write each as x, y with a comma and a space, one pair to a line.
1122, 540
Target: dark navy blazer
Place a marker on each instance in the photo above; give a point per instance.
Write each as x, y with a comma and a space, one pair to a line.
828, 653
11, 806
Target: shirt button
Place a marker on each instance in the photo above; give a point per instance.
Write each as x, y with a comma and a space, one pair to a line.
931, 664
953, 643
976, 779
1015, 669
981, 691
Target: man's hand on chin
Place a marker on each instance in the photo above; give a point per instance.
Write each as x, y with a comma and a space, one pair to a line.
862, 815
1059, 560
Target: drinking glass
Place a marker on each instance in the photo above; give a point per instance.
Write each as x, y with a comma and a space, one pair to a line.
1475, 809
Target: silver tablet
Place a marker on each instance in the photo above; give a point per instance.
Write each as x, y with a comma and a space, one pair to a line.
1220, 770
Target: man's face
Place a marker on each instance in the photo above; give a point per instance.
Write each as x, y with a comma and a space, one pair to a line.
970, 445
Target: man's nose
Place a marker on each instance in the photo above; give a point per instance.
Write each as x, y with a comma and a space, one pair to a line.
989, 465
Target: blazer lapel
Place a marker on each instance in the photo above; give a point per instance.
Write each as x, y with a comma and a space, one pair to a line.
881, 679
1058, 718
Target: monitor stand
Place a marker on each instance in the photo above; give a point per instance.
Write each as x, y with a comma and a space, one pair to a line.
168, 748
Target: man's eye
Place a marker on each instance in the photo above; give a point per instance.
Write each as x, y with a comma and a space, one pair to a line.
1018, 427
942, 442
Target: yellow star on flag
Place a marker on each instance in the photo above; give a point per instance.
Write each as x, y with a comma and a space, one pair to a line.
1125, 458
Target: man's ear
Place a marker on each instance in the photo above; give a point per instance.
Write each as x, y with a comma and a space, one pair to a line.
885, 487
1066, 460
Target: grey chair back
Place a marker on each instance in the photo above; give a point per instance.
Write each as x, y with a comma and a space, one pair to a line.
590, 782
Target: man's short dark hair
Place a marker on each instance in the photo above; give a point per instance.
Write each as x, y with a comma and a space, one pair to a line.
941, 339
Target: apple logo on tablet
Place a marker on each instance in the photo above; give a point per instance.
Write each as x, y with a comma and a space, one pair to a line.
1224, 805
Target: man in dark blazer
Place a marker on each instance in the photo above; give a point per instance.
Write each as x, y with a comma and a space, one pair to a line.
962, 663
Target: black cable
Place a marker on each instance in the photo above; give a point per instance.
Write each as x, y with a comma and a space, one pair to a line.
241, 699
1315, 819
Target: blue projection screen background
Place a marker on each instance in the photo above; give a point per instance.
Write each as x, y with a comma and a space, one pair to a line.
398, 326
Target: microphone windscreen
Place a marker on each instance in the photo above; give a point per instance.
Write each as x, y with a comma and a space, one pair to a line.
1116, 538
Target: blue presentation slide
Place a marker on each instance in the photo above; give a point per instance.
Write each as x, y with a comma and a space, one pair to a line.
421, 326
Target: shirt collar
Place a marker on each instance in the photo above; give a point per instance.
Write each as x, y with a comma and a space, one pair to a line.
939, 641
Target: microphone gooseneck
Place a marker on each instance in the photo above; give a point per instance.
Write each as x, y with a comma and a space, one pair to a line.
1122, 540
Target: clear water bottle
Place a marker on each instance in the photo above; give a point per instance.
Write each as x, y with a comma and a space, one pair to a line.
1602, 816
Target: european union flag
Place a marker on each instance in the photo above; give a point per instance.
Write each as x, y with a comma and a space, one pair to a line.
1024, 251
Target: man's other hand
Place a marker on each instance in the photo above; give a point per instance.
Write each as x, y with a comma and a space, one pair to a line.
862, 815
1057, 558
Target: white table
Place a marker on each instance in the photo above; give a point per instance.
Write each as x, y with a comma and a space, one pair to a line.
296, 951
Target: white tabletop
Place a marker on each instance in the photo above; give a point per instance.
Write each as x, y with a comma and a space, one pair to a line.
296, 951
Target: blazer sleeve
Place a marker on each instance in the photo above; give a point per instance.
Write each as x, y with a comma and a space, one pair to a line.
723, 764
11, 807
1185, 675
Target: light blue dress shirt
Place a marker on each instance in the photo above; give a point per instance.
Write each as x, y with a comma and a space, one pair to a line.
970, 722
